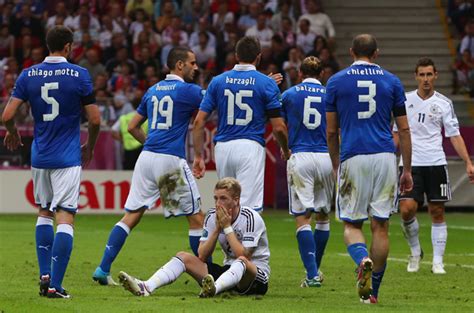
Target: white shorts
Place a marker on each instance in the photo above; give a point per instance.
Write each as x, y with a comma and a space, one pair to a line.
244, 160
367, 186
310, 182
57, 188
167, 177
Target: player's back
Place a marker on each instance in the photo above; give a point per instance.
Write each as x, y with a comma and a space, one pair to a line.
242, 97
364, 95
169, 106
55, 90
306, 116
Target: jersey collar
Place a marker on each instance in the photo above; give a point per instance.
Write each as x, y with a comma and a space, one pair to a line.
174, 77
245, 67
312, 81
55, 59
364, 63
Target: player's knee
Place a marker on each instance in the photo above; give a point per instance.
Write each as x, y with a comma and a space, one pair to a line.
437, 213
243, 259
183, 256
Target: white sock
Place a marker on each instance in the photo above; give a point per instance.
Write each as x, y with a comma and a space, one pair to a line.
410, 230
167, 274
439, 235
231, 277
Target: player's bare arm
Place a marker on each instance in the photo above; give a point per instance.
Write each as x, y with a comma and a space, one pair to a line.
12, 138
332, 133
406, 180
93, 116
199, 168
460, 147
206, 248
134, 128
225, 221
280, 132
396, 139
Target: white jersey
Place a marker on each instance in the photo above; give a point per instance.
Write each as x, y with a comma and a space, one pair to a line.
426, 119
251, 232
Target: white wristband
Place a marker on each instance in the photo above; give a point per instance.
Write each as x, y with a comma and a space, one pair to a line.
228, 230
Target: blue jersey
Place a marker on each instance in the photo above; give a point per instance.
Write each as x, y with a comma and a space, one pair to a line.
305, 114
241, 97
364, 96
169, 106
56, 91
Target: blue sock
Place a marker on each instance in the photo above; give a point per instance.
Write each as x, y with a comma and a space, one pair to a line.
358, 251
377, 280
44, 244
194, 235
62, 249
307, 248
321, 237
117, 238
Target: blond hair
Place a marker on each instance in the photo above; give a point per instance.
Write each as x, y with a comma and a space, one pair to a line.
311, 67
231, 185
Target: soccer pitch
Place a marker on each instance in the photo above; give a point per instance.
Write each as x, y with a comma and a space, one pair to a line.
155, 240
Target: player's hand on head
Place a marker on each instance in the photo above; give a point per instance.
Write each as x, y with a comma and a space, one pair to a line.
199, 168
87, 155
12, 140
277, 77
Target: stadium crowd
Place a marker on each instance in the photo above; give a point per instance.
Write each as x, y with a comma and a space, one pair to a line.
124, 44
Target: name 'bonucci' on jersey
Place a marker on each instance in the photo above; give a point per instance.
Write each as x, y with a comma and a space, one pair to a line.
426, 119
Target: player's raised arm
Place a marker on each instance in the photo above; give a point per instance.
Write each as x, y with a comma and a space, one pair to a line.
199, 168
93, 116
12, 138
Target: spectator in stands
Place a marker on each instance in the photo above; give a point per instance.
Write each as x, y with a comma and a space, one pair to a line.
106, 108
320, 23
193, 12
62, 14
122, 105
7, 87
261, 31
145, 60
250, 19
230, 61
328, 59
114, 65
106, 32
92, 63
279, 52
85, 27
284, 11
145, 5
118, 42
175, 27
84, 10
175, 40
287, 32
24, 18
458, 13
154, 39
166, 14
295, 57
119, 20
203, 52
158, 7
203, 26
319, 43
6, 14
139, 16
23, 54
467, 43
7, 43
79, 50
305, 38
143, 41
326, 73
100, 82
465, 73
221, 17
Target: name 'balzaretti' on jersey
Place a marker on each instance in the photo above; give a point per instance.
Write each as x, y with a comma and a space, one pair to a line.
56, 89
364, 96
169, 105
242, 97
305, 114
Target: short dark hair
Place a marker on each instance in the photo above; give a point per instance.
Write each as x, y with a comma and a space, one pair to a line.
364, 45
425, 61
57, 37
247, 49
177, 54
311, 67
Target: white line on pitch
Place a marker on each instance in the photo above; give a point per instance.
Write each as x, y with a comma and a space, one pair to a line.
423, 262
452, 226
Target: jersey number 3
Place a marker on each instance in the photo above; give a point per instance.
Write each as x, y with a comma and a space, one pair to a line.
367, 98
50, 100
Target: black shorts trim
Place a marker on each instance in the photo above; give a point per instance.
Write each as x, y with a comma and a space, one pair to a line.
258, 287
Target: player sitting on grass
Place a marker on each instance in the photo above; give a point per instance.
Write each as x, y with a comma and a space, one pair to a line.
309, 169
242, 235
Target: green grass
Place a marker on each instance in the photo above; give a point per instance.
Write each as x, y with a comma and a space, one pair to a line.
156, 240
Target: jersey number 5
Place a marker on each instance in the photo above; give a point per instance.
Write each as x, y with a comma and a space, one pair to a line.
50, 100
167, 113
309, 111
237, 99
367, 98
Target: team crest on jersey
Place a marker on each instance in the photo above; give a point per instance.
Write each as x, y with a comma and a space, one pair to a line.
239, 235
435, 110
